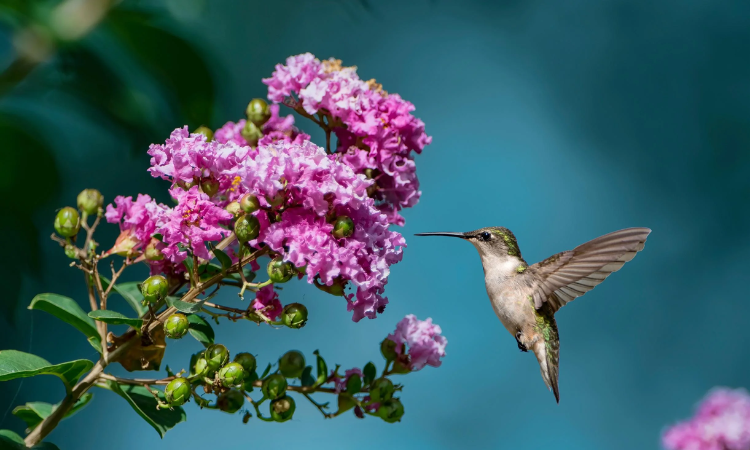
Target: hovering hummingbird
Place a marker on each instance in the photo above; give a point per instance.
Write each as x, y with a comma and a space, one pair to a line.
526, 298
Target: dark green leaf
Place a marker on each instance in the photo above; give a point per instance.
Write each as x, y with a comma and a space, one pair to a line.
322, 369
67, 310
206, 271
306, 378
188, 262
15, 364
131, 292
144, 404
12, 441
265, 372
354, 384
34, 412
201, 330
188, 308
224, 259
10, 436
345, 402
370, 372
115, 318
170, 372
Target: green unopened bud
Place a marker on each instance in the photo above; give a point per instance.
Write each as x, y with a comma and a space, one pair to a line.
232, 374
216, 356
246, 228
176, 326
249, 203
291, 364
247, 361
391, 410
257, 111
280, 271
251, 133
282, 409
230, 401
353, 384
177, 392
205, 131
200, 367
388, 349
89, 201
276, 199
70, 251
155, 289
343, 227
234, 208
274, 386
400, 367
294, 315
381, 390
152, 252
67, 222
209, 186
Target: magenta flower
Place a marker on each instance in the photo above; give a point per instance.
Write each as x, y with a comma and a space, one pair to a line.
424, 344
722, 422
298, 72
231, 132
267, 300
138, 221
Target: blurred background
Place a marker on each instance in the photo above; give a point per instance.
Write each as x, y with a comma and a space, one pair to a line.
559, 120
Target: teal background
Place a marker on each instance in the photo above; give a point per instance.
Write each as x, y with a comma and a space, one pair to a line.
559, 120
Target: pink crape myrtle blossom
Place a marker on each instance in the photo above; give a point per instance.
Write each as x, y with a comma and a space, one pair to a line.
231, 132
423, 341
137, 219
722, 422
267, 300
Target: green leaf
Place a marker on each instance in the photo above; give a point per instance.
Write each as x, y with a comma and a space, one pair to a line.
206, 271
345, 403
322, 369
224, 259
34, 412
115, 318
131, 292
306, 378
354, 384
15, 364
9, 436
188, 262
188, 308
201, 330
67, 310
144, 404
12, 441
370, 372
265, 372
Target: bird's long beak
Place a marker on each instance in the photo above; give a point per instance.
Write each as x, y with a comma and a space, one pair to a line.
444, 233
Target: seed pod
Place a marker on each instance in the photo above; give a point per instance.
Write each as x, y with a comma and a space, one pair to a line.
282, 409
231, 374
247, 361
294, 315
258, 111
246, 228
343, 227
176, 326
155, 289
381, 390
177, 392
216, 356
67, 222
89, 201
280, 271
291, 364
249, 203
274, 386
230, 401
391, 410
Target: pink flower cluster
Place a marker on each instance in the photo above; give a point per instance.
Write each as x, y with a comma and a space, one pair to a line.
375, 130
424, 343
138, 222
276, 128
722, 422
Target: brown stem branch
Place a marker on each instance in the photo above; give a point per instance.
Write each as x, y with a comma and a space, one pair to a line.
136, 381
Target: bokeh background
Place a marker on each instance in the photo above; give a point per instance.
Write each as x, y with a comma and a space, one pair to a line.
559, 120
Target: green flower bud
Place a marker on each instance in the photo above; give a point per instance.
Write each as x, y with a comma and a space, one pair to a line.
246, 228
337, 288
71, 251
401, 367
155, 289
247, 361
388, 349
251, 133
391, 410
177, 392
280, 271
67, 222
292, 364
354, 384
274, 386
343, 227
257, 111
216, 356
176, 326
276, 200
381, 390
210, 187
152, 252
230, 401
249, 203
282, 409
89, 201
231, 374
200, 367
234, 208
205, 131
294, 315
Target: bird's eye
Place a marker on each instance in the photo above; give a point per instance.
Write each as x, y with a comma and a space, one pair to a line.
485, 236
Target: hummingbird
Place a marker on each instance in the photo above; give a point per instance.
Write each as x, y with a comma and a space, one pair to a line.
526, 298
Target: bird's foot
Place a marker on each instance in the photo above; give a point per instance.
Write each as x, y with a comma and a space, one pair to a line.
520, 345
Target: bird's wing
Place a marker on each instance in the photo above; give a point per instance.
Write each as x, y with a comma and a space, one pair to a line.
567, 275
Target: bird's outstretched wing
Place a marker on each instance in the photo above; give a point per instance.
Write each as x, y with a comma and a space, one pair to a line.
567, 275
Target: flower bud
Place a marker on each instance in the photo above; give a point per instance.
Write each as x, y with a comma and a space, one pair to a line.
209, 186
343, 227
291, 364
282, 409
246, 228
251, 133
388, 349
216, 356
336, 288
391, 410
89, 201
231, 374
381, 390
200, 367
176, 326
276, 199
249, 203
294, 315
280, 271
230, 401
152, 252
234, 208
401, 367
67, 222
177, 392
70, 251
257, 111
205, 131
274, 386
155, 289
247, 361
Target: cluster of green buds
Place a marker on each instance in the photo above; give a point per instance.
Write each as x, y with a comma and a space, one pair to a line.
257, 114
68, 219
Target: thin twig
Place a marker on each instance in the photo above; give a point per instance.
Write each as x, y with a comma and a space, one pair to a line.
136, 381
